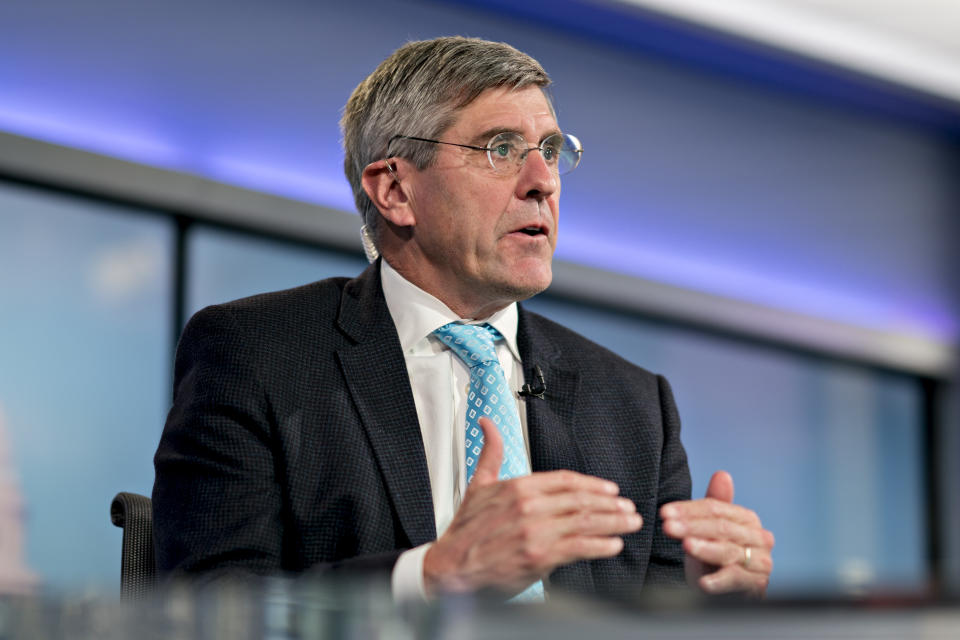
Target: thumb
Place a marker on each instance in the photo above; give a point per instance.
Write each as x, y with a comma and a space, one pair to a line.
491, 456
721, 487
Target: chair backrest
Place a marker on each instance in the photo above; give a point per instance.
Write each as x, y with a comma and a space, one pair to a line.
133, 513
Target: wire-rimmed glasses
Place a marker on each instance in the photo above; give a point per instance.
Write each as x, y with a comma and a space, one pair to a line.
508, 151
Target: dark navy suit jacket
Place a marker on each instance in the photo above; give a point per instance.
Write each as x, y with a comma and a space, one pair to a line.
293, 442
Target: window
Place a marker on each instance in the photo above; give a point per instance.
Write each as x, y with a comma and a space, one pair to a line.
84, 380
828, 454
226, 265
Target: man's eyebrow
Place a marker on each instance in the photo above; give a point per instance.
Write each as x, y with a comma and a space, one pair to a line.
552, 132
484, 137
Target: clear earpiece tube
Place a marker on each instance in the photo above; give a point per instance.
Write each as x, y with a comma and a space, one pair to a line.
369, 247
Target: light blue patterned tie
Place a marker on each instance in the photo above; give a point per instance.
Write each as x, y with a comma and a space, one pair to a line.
490, 397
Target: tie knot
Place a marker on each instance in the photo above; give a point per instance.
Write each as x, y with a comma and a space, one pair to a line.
473, 343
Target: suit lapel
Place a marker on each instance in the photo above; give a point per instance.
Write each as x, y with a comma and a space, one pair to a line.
376, 375
550, 422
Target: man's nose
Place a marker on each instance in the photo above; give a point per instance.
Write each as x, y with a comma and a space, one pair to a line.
537, 179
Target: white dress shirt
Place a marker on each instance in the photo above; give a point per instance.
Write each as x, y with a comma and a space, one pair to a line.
440, 382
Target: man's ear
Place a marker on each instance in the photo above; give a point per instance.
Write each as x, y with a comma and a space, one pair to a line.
382, 182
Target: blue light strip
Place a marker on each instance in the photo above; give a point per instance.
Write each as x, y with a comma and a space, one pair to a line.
164, 137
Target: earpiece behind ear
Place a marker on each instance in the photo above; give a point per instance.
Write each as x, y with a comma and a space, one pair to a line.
369, 247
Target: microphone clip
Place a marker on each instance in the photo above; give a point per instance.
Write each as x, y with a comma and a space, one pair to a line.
536, 390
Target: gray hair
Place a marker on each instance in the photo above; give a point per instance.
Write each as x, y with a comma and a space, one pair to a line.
418, 91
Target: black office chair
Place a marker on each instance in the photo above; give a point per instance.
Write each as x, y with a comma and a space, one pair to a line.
138, 569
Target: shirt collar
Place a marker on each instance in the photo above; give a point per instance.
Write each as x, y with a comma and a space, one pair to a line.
416, 314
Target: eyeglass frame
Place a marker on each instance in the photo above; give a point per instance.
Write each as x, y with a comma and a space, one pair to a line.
489, 149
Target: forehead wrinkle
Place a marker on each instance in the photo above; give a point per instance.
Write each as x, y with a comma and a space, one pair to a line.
505, 111
485, 136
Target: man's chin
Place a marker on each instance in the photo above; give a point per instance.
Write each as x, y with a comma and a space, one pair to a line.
531, 283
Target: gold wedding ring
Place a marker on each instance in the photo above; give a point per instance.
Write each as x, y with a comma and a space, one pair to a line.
747, 554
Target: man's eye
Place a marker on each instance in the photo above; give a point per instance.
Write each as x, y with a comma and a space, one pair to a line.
550, 153
503, 149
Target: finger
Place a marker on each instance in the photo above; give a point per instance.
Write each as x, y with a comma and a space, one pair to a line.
721, 487
540, 560
593, 524
720, 554
487, 470
567, 481
531, 553
706, 508
717, 529
579, 501
573, 548
503, 511
734, 578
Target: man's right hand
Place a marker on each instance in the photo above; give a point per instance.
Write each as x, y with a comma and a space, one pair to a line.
509, 534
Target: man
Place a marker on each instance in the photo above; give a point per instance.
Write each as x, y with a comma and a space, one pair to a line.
335, 427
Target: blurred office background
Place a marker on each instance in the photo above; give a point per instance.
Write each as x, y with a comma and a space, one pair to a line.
766, 213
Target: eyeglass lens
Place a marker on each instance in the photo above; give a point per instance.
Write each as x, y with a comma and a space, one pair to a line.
508, 151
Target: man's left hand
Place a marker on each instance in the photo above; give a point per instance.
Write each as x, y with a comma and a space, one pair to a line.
727, 548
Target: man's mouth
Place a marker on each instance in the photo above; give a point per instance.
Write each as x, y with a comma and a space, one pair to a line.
532, 230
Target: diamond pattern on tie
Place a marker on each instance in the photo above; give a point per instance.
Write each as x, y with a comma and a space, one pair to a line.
489, 396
